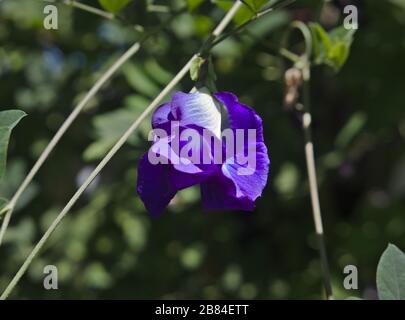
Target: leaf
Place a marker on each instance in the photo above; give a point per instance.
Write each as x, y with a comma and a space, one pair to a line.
331, 48
203, 25
195, 68
109, 127
351, 129
139, 80
157, 72
391, 274
113, 6
8, 120
321, 41
194, 4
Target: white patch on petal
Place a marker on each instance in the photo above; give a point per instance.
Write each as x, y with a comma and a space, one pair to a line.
199, 109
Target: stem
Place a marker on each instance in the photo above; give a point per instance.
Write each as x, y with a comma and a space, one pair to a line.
218, 30
305, 65
313, 187
254, 18
85, 7
98, 12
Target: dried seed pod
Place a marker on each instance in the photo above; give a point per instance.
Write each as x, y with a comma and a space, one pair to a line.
293, 77
293, 80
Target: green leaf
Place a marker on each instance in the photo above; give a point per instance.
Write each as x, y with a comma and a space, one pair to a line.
195, 68
391, 274
351, 129
194, 4
140, 80
113, 6
203, 25
8, 120
331, 48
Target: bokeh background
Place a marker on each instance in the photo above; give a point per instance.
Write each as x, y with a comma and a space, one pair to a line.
109, 247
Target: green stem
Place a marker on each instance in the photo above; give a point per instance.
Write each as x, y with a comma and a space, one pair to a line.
247, 23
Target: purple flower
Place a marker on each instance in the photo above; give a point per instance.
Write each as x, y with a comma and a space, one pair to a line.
217, 143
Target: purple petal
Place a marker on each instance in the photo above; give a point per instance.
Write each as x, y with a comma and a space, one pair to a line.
219, 194
154, 186
240, 116
232, 190
249, 179
233, 184
241, 182
161, 115
158, 183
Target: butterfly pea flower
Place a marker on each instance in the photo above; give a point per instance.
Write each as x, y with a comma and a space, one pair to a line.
213, 141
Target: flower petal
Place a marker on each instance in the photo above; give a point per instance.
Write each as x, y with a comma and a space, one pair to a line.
154, 186
240, 116
161, 115
232, 190
233, 184
244, 175
250, 178
158, 183
219, 194
197, 109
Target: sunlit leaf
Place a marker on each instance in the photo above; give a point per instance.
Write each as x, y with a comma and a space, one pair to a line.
203, 25
194, 4
114, 5
391, 274
331, 48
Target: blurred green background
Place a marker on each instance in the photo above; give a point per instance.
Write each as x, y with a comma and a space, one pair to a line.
109, 247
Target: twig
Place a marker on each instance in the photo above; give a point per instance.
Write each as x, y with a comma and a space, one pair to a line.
313, 187
85, 7
254, 18
218, 30
305, 66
